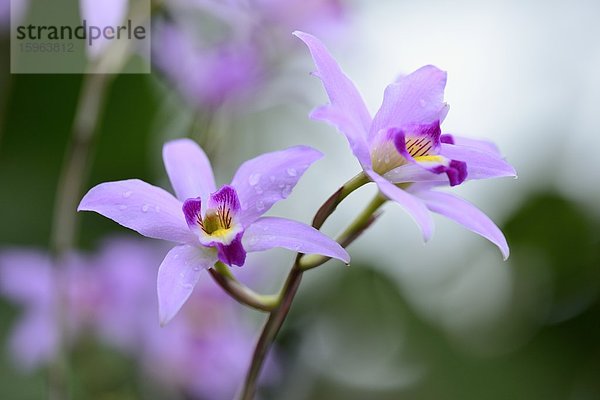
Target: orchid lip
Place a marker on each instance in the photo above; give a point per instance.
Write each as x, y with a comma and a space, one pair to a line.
218, 227
218, 224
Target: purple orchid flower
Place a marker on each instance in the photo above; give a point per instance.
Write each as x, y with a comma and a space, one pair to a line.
207, 76
402, 148
211, 225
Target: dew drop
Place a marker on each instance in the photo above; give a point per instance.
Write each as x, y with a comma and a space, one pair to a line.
127, 194
187, 286
145, 208
181, 275
260, 205
285, 192
386, 159
291, 172
281, 185
422, 102
196, 269
254, 179
258, 190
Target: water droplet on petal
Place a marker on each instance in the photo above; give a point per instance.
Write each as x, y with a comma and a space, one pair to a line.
260, 205
272, 178
196, 269
422, 102
285, 192
258, 190
181, 275
187, 286
386, 159
291, 172
254, 179
176, 256
127, 194
281, 185
145, 208
122, 207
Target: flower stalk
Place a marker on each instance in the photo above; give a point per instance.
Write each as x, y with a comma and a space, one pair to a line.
352, 232
241, 293
290, 288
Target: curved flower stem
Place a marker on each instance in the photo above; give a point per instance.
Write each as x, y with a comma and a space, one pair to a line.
224, 278
278, 315
354, 230
268, 303
332, 202
270, 331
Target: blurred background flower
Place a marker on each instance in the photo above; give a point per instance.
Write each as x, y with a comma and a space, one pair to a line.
448, 319
109, 299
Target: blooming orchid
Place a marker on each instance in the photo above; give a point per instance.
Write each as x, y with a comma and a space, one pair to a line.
402, 148
211, 225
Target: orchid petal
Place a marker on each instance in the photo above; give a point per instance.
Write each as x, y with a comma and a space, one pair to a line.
417, 98
226, 199
480, 164
481, 144
413, 172
415, 207
268, 178
177, 276
465, 214
269, 232
341, 121
137, 205
232, 253
347, 111
189, 169
192, 210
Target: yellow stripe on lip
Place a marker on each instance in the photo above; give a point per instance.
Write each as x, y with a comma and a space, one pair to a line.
438, 159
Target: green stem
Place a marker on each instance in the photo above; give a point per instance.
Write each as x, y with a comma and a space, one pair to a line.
360, 223
290, 288
74, 171
270, 331
224, 278
332, 202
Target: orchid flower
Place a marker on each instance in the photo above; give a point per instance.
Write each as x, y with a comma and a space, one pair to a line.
402, 148
211, 225
207, 76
